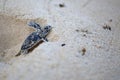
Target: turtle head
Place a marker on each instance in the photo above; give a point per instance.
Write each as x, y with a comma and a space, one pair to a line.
46, 30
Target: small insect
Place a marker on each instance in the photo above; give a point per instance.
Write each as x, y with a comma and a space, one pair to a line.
34, 38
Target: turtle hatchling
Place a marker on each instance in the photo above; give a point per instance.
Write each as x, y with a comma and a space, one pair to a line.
34, 38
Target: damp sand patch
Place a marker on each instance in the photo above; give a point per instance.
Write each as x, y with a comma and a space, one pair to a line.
12, 34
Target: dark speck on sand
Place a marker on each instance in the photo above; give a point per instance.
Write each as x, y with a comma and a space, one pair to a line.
63, 44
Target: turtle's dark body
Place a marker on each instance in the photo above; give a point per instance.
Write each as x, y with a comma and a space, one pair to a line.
34, 38
31, 40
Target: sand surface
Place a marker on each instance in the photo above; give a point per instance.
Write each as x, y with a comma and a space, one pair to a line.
84, 43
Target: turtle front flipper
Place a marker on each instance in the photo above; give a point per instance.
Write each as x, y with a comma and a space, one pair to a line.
34, 25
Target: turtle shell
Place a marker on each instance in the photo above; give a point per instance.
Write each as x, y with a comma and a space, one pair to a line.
31, 40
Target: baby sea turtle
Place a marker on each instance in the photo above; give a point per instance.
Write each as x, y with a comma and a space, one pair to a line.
34, 38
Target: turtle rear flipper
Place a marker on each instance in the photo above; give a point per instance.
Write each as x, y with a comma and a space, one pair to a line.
18, 54
23, 52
